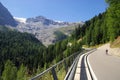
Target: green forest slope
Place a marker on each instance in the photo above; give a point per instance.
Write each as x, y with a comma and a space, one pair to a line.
102, 28
22, 55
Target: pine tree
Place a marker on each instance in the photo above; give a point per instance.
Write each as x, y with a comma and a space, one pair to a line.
113, 18
21, 73
10, 71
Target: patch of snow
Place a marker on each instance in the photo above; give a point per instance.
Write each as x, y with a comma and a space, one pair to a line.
59, 21
22, 20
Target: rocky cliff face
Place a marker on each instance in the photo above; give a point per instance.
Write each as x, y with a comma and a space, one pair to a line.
44, 28
5, 17
46, 22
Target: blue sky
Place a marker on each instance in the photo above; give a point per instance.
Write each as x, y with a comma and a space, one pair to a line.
63, 10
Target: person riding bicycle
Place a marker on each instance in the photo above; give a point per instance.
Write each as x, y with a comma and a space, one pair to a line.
106, 51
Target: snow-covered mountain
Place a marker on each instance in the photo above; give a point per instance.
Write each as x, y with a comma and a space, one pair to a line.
40, 20
43, 28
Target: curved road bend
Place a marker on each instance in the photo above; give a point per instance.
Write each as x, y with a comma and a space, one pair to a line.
105, 67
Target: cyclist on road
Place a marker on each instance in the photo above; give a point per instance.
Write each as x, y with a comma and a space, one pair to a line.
106, 51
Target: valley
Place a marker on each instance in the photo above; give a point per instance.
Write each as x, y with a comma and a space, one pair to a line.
30, 45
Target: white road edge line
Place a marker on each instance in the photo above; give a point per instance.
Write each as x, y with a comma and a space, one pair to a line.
86, 67
92, 72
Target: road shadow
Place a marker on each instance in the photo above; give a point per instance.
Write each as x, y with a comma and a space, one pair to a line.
83, 74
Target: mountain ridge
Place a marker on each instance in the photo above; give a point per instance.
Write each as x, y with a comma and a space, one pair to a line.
44, 28
41, 27
5, 17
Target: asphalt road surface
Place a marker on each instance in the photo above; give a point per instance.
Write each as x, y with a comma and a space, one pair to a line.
105, 66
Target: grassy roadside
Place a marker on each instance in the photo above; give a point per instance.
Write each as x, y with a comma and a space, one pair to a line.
115, 47
116, 43
96, 46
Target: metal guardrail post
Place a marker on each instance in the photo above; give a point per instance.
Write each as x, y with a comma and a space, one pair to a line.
54, 74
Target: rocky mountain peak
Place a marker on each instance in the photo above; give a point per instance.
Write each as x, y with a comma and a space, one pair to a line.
45, 21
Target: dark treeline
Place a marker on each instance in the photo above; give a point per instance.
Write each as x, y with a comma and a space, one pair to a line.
102, 28
22, 55
20, 48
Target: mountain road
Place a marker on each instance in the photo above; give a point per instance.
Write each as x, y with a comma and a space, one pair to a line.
105, 66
